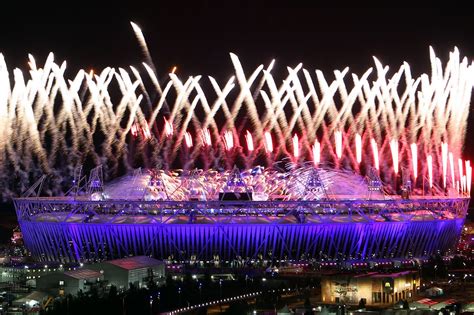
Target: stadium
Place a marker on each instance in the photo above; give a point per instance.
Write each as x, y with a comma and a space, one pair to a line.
183, 219
363, 168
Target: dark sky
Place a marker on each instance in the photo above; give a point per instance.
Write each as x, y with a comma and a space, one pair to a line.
198, 38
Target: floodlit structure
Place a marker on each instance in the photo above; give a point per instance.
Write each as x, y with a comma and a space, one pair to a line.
305, 213
69, 282
355, 167
137, 270
374, 288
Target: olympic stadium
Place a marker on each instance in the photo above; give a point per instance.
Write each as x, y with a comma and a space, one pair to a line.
322, 214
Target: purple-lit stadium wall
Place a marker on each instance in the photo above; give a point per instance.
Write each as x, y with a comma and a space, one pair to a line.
50, 241
68, 229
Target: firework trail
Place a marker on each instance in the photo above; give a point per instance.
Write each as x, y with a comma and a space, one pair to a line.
51, 123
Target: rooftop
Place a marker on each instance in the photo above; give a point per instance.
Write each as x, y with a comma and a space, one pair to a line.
136, 262
83, 274
394, 274
426, 301
373, 274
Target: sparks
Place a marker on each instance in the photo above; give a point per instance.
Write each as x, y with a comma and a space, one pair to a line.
451, 166
358, 143
206, 137
414, 160
463, 184
316, 153
168, 128
429, 160
468, 176
268, 142
338, 142
118, 100
249, 140
141, 39
394, 150
375, 153
296, 149
444, 158
146, 131
188, 140
228, 140
134, 130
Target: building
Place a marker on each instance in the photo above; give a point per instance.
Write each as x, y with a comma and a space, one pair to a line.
375, 288
69, 282
31, 272
348, 225
135, 270
33, 302
466, 241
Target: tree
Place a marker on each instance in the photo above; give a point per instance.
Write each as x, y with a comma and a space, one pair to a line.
307, 305
169, 281
150, 280
237, 308
458, 262
112, 292
406, 306
202, 311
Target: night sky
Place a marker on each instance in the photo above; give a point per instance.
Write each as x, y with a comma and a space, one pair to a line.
198, 38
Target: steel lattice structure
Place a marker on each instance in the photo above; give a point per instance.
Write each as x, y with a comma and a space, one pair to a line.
75, 229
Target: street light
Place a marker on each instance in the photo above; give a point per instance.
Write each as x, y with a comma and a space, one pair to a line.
200, 289
151, 305
179, 293
158, 296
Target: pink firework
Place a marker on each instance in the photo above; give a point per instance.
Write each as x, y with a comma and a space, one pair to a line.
188, 140
468, 176
268, 142
414, 160
249, 140
316, 152
444, 157
134, 130
228, 140
375, 153
461, 175
146, 131
296, 146
168, 128
206, 137
429, 160
394, 150
451, 166
338, 143
358, 144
